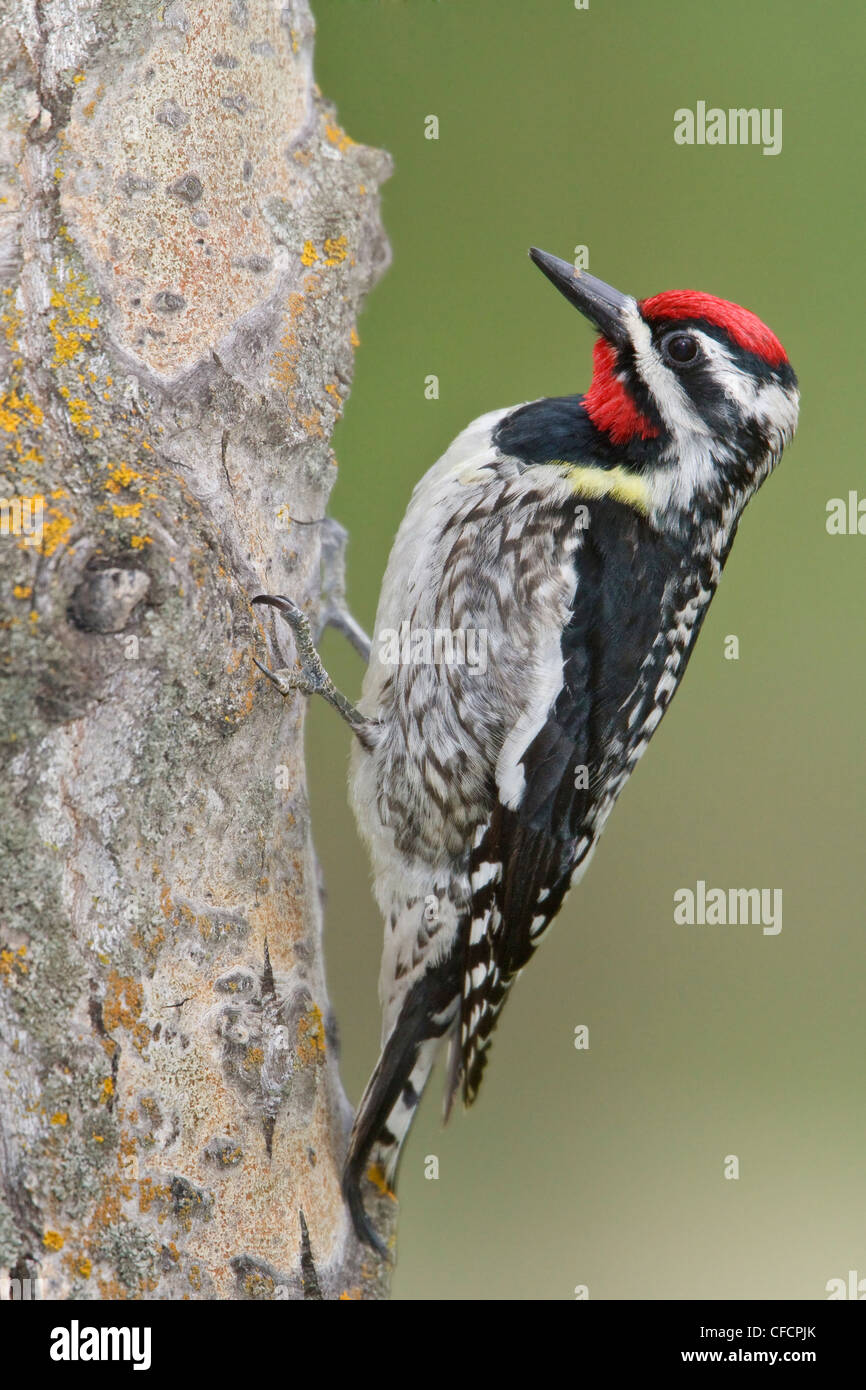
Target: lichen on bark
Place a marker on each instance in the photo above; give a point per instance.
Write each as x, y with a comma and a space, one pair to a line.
186, 237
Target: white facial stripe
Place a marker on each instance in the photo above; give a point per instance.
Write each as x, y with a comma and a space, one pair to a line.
689, 467
672, 401
777, 407
767, 403
736, 384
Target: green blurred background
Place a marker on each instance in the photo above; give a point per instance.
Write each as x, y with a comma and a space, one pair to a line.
605, 1167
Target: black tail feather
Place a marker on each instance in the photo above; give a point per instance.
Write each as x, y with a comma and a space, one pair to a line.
393, 1092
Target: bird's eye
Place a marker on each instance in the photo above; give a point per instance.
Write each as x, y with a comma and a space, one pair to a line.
680, 348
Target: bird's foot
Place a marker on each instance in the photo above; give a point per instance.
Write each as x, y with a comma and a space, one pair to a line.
312, 679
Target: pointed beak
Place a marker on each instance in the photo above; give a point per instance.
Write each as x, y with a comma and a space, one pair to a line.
600, 303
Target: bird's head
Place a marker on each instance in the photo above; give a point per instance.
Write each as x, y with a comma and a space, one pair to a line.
691, 393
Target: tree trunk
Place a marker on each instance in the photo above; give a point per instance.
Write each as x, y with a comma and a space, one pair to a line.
186, 236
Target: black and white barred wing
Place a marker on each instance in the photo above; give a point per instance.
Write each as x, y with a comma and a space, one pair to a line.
524, 857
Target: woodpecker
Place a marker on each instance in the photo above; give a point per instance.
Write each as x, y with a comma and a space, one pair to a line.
584, 537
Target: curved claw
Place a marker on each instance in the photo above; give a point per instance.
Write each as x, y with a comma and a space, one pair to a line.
312, 679
286, 605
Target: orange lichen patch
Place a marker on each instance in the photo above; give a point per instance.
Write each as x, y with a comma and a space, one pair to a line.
336, 250
333, 390
312, 423
309, 255
229, 1157
74, 323
121, 477
22, 591
353, 1295
255, 1056
338, 137
126, 509
78, 1265
13, 964
249, 699
150, 1192
79, 413
287, 356
150, 943
354, 339
53, 1240
16, 410
126, 1158
284, 362
139, 542
107, 1091
183, 916
60, 1117
55, 530
122, 1008
311, 1036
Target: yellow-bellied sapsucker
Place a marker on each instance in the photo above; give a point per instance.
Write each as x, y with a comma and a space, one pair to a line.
562, 554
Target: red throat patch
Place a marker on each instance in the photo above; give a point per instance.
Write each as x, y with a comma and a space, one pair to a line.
608, 403
744, 327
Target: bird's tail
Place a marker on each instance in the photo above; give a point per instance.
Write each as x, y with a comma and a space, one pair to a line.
394, 1091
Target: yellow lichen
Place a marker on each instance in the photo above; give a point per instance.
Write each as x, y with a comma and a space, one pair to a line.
121, 476
309, 255
22, 591
335, 249
60, 1117
311, 1036
338, 137
74, 323
54, 531
122, 1008
16, 410
53, 1240
12, 961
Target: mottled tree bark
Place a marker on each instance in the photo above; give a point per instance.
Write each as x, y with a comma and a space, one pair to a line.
186, 236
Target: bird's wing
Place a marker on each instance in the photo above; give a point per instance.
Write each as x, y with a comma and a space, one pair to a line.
524, 856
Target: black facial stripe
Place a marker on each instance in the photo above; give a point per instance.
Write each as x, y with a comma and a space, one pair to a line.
744, 438
750, 362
